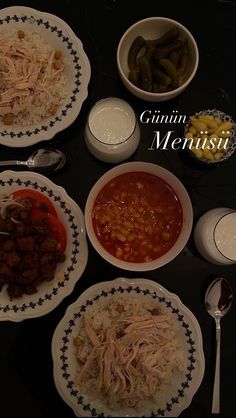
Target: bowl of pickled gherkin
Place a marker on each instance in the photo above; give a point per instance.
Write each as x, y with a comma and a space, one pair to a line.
157, 58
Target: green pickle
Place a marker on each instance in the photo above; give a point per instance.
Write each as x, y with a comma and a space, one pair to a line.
166, 50
160, 88
171, 71
169, 36
160, 76
145, 74
134, 76
175, 58
137, 44
158, 65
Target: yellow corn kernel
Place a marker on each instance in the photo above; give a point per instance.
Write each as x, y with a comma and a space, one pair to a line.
211, 123
192, 130
225, 134
207, 144
189, 135
197, 152
211, 130
198, 125
218, 156
208, 154
223, 144
218, 121
215, 137
225, 126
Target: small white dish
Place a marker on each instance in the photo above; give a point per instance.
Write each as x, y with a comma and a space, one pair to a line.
65, 365
231, 147
59, 36
51, 293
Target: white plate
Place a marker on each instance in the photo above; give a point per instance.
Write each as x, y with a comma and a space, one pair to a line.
51, 293
60, 36
64, 351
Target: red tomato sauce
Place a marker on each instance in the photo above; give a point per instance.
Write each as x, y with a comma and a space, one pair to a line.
137, 217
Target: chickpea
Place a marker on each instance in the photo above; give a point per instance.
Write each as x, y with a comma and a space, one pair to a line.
57, 54
21, 34
8, 120
77, 342
120, 308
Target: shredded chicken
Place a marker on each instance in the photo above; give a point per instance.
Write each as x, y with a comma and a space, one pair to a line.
129, 359
24, 73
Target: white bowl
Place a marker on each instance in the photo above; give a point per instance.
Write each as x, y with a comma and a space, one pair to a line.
49, 293
77, 73
152, 28
184, 199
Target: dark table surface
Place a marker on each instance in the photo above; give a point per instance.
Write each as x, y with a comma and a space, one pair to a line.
27, 386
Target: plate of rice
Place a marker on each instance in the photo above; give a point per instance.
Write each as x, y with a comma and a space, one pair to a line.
35, 276
44, 76
128, 347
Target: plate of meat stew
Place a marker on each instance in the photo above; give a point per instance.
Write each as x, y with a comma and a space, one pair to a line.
43, 247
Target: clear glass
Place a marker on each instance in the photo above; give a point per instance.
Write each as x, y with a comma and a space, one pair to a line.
114, 137
215, 236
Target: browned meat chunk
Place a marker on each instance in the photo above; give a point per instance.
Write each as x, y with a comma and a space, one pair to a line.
48, 271
9, 245
26, 243
46, 258
28, 253
12, 259
28, 276
49, 245
30, 260
14, 291
30, 289
5, 274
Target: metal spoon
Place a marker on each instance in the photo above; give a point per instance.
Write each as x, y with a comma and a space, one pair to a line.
218, 300
45, 159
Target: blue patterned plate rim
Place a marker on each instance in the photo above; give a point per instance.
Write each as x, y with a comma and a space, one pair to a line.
67, 329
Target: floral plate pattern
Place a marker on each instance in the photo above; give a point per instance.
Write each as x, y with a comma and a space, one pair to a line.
60, 36
49, 294
64, 351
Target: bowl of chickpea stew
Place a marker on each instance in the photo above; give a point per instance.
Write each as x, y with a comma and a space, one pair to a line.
211, 136
138, 216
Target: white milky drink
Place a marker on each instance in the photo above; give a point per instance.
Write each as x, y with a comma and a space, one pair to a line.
225, 236
215, 236
112, 132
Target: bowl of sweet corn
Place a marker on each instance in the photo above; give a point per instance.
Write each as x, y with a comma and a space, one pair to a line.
210, 136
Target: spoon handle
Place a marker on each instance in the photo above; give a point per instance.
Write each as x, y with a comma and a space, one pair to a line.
12, 162
216, 390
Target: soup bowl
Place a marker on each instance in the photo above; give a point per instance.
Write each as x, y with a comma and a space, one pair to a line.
119, 257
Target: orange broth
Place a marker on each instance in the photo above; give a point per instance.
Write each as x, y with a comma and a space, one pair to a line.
137, 217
